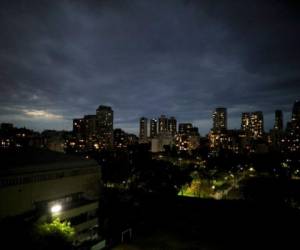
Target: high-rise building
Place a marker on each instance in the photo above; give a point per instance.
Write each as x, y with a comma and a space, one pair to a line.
296, 111
220, 119
132, 139
153, 128
120, 138
79, 127
195, 131
143, 129
172, 125
185, 128
246, 122
257, 124
162, 124
291, 141
104, 125
278, 120
229, 140
253, 124
90, 125
188, 137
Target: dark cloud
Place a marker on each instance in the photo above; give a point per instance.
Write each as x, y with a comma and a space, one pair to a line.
61, 59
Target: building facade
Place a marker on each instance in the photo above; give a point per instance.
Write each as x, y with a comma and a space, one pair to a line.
79, 127
143, 130
185, 128
246, 122
220, 119
253, 124
104, 124
291, 141
172, 125
37, 182
90, 125
153, 128
257, 124
296, 111
162, 124
278, 125
159, 143
120, 138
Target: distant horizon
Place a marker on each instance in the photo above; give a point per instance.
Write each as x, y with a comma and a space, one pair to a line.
135, 129
183, 58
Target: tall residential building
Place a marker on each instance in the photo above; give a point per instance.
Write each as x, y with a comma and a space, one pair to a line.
90, 125
79, 127
120, 138
195, 131
153, 128
257, 124
172, 125
292, 135
185, 128
132, 139
220, 119
246, 122
143, 129
84, 127
253, 124
278, 120
296, 111
162, 124
104, 125
188, 137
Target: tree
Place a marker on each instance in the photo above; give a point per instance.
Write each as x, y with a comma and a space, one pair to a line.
54, 235
160, 177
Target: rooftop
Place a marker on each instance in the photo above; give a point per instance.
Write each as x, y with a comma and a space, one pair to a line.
30, 159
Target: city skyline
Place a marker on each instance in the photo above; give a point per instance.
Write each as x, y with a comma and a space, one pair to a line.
61, 59
136, 130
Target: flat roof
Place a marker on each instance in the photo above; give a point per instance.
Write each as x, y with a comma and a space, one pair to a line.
39, 160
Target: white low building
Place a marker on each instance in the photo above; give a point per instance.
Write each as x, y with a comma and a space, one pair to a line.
42, 184
163, 139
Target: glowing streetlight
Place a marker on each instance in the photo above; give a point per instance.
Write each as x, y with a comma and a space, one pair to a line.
56, 208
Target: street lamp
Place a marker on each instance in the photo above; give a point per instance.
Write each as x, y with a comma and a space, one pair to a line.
56, 208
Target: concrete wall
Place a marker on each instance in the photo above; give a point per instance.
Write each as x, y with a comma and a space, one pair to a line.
18, 199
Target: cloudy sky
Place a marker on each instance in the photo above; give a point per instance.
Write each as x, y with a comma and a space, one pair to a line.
62, 59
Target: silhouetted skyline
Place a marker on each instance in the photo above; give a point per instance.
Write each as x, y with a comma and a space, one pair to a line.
61, 59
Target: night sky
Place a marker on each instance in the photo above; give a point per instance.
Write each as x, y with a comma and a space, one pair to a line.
60, 60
